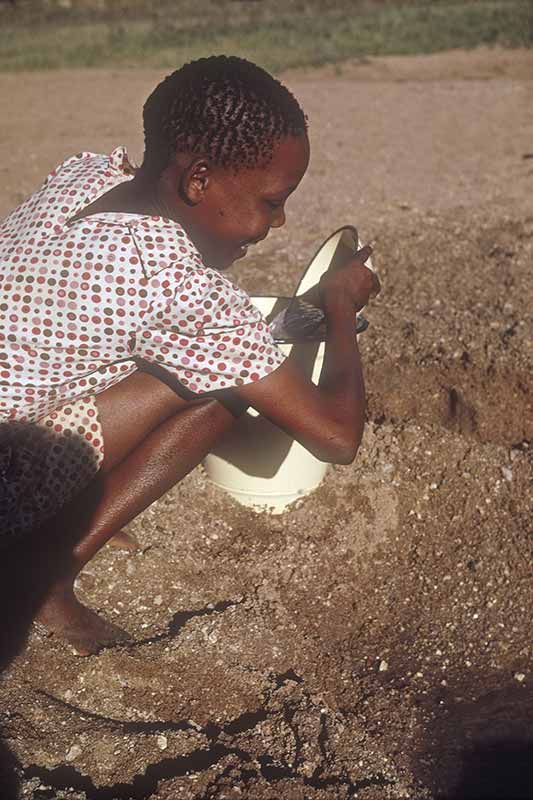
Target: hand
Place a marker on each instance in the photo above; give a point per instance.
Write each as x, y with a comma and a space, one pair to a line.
352, 282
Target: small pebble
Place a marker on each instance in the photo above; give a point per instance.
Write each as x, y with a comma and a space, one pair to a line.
520, 677
507, 474
383, 666
158, 600
74, 752
162, 742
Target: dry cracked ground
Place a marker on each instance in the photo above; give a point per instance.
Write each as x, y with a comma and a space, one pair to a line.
375, 640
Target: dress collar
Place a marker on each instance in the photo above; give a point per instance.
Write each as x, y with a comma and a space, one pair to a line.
119, 161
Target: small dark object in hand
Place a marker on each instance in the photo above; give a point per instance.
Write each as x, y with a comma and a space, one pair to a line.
304, 322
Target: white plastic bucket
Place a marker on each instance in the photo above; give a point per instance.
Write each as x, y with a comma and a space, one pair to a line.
257, 463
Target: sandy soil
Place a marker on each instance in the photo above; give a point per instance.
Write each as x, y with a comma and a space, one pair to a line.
374, 641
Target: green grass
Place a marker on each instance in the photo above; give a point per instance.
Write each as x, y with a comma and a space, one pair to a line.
276, 35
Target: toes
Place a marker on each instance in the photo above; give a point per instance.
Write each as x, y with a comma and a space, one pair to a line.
81, 628
98, 634
114, 635
84, 645
83, 650
124, 541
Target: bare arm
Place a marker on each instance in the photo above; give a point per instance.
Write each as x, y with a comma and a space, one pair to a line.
327, 419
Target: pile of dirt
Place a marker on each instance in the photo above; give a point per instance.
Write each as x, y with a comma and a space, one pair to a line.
375, 640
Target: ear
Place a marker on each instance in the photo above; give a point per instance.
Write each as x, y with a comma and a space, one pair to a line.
195, 180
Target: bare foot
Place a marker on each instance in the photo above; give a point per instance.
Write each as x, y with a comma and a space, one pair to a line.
124, 541
64, 616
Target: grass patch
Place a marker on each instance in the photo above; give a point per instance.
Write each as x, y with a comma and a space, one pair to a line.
276, 35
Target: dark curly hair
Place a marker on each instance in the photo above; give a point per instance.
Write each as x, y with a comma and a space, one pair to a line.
223, 107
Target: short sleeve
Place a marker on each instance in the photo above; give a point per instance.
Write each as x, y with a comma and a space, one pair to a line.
207, 333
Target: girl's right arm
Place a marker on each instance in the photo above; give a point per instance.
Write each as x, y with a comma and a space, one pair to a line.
327, 419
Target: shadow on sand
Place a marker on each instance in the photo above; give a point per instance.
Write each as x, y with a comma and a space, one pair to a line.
483, 749
501, 770
31, 563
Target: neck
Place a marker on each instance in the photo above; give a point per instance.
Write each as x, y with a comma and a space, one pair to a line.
157, 197
142, 196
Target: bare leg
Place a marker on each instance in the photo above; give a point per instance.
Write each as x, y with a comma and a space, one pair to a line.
152, 438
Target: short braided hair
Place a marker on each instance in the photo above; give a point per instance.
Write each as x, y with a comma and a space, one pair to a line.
222, 107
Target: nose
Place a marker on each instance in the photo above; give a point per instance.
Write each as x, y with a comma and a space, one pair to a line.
278, 220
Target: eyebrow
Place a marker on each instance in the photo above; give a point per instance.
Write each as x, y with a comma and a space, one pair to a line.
282, 192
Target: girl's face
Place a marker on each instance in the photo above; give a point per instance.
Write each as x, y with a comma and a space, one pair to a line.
239, 208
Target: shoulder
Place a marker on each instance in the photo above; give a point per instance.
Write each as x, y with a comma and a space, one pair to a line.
86, 163
167, 254
161, 244
69, 187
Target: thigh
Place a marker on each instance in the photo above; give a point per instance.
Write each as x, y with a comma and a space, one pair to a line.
130, 410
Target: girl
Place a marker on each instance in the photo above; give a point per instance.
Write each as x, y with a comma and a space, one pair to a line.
126, 353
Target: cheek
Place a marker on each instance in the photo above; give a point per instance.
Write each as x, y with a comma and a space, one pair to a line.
238, 216
241, 220
255, 217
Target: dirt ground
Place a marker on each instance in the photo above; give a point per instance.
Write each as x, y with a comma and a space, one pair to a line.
375, 640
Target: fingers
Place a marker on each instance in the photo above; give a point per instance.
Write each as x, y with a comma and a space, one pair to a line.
376, 285
361, 256
364, 253
353, 279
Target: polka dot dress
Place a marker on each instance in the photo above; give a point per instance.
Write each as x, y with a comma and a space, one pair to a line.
81, 302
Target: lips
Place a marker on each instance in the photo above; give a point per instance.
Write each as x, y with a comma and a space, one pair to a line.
248, 242
243, 248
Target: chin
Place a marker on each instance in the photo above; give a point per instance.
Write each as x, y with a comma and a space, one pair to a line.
217, 264
224, 262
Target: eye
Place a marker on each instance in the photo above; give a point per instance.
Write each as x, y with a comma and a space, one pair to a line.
275, 203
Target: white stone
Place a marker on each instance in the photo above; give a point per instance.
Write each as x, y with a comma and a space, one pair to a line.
74, 752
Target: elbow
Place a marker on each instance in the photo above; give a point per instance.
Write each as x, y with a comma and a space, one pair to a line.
346, 455
339, 449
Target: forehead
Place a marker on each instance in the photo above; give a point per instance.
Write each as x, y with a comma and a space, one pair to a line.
290, 158
284, 171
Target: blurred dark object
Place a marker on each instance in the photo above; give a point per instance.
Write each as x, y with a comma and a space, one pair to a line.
303, 322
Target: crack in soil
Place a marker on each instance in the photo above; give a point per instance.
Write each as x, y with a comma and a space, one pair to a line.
246, 721
273, 772
181, 618
144, 785
285, 677
469, 397
288, 716
323, 735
